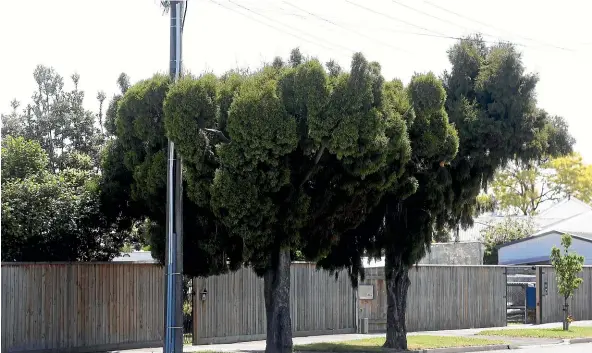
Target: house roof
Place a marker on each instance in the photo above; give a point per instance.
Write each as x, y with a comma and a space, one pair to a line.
565, 208
534, 237
580, 225
553, 218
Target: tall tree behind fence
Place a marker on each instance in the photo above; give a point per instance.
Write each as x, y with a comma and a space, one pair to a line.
81, 307
233, 309
580, 304
442, 298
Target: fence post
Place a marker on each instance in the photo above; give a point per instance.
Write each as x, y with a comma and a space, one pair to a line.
194, 312
356, 310
539, 295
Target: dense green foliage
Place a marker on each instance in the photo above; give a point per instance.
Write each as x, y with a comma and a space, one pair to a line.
508, 230
279, 161
422, 186
133, 185
21, 158
57, 120
491, 102
292, 159
286, 157
50, 216
50, 159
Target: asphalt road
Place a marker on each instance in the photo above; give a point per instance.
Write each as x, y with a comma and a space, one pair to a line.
563, 348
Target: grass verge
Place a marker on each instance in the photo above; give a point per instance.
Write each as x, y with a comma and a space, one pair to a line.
574, 332
413, 342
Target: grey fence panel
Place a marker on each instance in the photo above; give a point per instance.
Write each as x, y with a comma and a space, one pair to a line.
442, 298
80, 307
234, 307
552, 302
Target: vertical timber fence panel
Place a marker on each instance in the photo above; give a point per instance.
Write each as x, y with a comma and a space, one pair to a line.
81, 307
233, 309
442, 298
580, 304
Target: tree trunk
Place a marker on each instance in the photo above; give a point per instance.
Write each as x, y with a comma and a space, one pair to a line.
277, 305
565, 315
397, 284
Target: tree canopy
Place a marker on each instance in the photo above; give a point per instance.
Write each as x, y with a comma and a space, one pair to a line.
490, 100
286, 158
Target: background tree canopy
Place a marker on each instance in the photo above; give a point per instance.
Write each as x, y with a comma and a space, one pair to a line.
50, 178
525, 187
508, 230
50, 216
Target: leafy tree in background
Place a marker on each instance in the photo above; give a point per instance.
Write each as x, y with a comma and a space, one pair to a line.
279, 161
57, 120
509, 229
21, 158
524, 186
567, 266
572, 177
50, 173
50, 216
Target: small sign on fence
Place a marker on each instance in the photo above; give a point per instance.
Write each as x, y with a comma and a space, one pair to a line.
366, 291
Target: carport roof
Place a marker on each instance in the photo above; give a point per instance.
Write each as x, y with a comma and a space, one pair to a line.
575, 236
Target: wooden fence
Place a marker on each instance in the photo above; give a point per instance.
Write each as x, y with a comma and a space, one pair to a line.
81, 307
105, 306
551, 308
442, 298
234, 307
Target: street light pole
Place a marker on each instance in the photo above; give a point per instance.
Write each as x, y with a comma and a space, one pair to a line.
173, 335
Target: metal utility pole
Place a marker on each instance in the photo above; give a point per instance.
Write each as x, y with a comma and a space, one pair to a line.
173, 336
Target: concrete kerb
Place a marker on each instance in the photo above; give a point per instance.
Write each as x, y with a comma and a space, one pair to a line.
494, 347
578, 340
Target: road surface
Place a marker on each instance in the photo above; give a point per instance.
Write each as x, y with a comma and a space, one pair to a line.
563, 348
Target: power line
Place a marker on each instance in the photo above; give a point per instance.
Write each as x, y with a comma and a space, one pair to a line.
442, 35
274, 27
308, 34
436, 17
343, 27
491, 26
450, 37
392, 17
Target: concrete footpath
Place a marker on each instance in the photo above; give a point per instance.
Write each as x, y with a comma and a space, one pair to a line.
260, 345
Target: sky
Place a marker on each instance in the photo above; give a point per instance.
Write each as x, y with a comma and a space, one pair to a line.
100, 39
